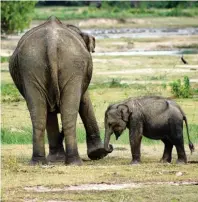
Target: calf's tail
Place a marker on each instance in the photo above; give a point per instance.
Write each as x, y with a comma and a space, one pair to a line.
191, 146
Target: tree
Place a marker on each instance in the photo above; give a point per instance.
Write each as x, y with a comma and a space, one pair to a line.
16, 15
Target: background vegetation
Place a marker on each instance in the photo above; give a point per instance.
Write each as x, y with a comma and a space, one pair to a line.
16, 15
116, 9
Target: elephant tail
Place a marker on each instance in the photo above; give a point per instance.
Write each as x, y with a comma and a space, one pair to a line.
53, 66
191, 146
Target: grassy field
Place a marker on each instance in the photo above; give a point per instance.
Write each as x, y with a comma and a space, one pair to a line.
109, 12
114, 78
18, 176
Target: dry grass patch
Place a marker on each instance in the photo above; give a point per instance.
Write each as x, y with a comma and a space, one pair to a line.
157, 43
114, 169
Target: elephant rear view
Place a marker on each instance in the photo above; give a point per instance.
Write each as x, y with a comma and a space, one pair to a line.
150, 116
52, 69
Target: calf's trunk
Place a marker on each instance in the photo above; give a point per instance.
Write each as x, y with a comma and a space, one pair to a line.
108, 148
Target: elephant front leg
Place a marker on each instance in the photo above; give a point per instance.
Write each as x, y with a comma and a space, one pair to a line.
135, 137
55, 139
95, 148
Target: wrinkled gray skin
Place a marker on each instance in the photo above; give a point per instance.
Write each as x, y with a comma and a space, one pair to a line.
52, 68
153, 117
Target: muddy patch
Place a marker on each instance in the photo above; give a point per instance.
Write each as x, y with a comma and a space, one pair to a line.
104, 186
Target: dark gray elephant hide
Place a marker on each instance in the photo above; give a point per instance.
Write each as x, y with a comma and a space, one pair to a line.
52, 68
153, 117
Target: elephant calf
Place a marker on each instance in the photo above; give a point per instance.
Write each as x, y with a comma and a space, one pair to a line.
154, 117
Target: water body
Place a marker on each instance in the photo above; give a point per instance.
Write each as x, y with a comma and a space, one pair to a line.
141, 32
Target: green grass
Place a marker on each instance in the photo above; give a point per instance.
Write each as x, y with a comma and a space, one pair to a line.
20, 136
4, 59
10, 93
67, 13
24, 136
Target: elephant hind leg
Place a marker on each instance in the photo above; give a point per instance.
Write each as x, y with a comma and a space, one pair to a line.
69, 107
176, 127
38, 113
167, 155
181, 153
55, 139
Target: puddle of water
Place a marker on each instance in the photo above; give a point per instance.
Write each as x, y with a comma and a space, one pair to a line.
103, 186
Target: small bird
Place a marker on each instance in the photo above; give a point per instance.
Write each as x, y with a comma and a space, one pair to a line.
184, 61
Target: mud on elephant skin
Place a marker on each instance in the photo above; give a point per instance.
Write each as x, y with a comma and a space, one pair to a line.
153, 117
53, 75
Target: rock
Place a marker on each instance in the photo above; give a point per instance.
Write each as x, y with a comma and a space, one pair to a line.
179, 174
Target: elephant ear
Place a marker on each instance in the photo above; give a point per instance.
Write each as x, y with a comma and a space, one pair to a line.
89, 41
124, 112
92, 44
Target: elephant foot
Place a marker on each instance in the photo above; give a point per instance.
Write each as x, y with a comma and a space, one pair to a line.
181, 161
163, 160
38, 161
56, 155
99, 152
135, 162
73, 161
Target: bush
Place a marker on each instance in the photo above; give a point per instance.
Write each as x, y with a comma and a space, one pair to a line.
181, 90
16, 15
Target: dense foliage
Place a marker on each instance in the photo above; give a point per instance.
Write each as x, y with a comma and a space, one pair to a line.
123, 4
16, 15
181, 90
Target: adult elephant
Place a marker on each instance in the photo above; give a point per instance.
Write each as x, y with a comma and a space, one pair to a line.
52, 68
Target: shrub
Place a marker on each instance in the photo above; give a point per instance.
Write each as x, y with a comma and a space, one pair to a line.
16, 15
181, 90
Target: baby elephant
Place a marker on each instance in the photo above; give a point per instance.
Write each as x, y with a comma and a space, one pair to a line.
154, 117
